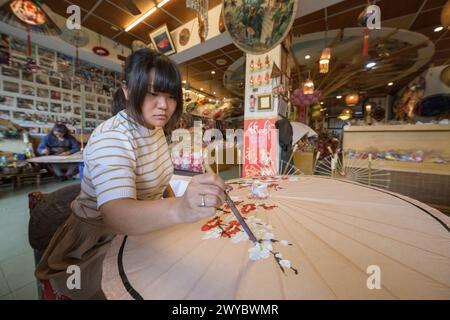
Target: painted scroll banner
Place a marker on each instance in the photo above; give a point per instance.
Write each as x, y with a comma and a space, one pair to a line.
260, 147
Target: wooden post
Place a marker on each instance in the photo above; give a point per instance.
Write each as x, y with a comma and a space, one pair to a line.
315, 161
370, 169
239, 161
290, 159
217, 159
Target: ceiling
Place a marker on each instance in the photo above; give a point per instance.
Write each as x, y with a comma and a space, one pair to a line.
110, 17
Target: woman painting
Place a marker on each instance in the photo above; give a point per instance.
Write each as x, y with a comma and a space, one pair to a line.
127, 170
60, 142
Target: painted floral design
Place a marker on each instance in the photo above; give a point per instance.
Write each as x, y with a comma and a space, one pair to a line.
246, 208
224, 225
214, 222
236, 203
266, 207
232, 228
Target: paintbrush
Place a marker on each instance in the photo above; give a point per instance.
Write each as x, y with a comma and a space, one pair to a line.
235, 210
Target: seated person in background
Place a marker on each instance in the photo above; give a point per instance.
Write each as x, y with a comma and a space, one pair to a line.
60, 142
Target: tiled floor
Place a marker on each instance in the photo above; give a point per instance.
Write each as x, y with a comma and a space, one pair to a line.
16, 256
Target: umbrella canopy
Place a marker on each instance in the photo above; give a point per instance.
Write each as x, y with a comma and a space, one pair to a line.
319, 238
300, 130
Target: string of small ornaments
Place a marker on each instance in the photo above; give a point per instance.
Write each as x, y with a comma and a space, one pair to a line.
256, 78
259, 76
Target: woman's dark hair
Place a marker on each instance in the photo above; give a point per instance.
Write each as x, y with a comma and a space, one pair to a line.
166, 79
59, 127
119, 102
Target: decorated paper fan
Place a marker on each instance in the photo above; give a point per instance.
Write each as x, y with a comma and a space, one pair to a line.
76, 37
317, 238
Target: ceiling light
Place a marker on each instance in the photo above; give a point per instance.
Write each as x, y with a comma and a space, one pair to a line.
440, 28
390, 84
214, 92
371, 65
184, 81
221, 62
149, 12
339, 97
213, 72
321, 103
159, 5
307, 57
201, 89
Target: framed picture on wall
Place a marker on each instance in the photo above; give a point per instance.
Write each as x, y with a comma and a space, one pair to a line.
265, 102
162, 41
42, 93
11, 86
6, 101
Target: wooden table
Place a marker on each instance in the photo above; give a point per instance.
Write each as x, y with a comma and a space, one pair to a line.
73, 158
319, 239
18, 178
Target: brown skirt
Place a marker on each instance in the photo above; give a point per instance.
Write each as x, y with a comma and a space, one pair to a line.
78, 242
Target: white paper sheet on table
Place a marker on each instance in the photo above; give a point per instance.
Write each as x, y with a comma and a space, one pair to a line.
179, 184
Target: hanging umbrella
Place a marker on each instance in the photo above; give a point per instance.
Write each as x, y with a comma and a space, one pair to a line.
300, 130
28, 15
318, 238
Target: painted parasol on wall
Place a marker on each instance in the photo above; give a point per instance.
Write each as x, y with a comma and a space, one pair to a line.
28, 15
317, 238
257, 26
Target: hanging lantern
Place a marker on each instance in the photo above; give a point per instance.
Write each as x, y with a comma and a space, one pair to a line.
445, 15
352, 99
308, 87
369, 18
345, 114
325, 60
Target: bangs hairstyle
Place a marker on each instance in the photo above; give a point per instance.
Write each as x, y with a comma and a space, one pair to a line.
166, 79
